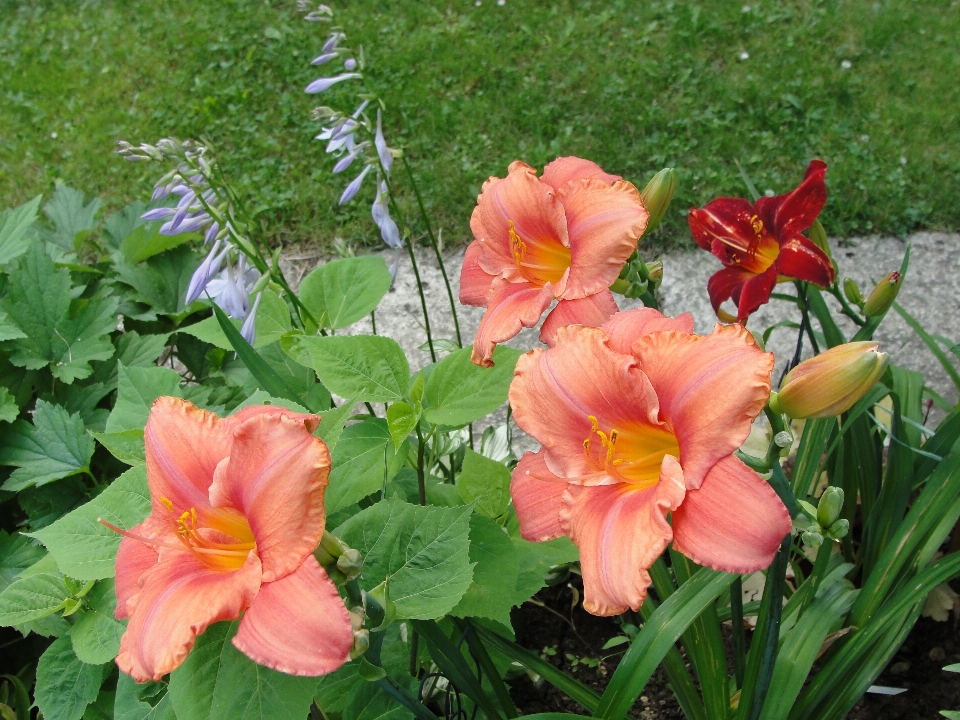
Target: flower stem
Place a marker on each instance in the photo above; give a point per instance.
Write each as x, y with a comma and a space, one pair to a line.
423, 300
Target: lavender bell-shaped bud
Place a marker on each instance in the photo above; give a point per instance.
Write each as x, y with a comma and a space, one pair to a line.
325, 58
331, 44
161, 213
211, 233
204, 274
381, 216
350, 64
321, 84
231, 295
249, 329
386, 157
393, 268
354, 187
188, 225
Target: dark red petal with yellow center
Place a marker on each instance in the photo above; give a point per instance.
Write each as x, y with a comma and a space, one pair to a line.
734, 522
511, 306
791, 214
538, 497
562, 170
729, 220
620, 531
724, 283
754, 293
297, 625
801, 259
181, 596
591, 311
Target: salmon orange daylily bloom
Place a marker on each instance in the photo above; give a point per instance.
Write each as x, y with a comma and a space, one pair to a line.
761, 244
236, 513
565, 236
639, 419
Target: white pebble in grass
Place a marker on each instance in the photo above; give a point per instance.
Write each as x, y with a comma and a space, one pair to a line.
53, 135
746, 8
846, 65
744, 55
501, 3
903, 160
768, 192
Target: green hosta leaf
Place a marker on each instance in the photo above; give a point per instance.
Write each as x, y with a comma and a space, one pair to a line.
136, 701
218, 682
84, 548
485, 481
65, 685
358, 463
369, 368
494, 574
55, 446
31, 598
343, 291
161, 282
124, 222
458, 392
58, 334
9, 329
126, 446
401, 419
424, 550
15, 224
71, 217
17, 553
96, 634
8, 406
273, 321
137, 388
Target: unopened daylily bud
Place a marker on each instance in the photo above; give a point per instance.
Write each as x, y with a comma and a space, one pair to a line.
839, 529
350, 563
657, 196
882, 296
819, 237
831, 503
811, 538
830, 383
852, 291
783, 439
361, 643
655, 271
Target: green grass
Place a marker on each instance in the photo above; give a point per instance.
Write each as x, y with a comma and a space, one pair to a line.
633, 85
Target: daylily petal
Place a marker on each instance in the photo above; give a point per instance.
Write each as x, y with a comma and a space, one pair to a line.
799, 258
625, 327
298, 624
562, 170
604, 223
621, 531
728, 220
754, 293
554, 393
276, 476
591, 311
180, 598
538, 221
538, 500
710, 390
724, 283
511, 306
791, 214
134, 558
475, 282
733, 522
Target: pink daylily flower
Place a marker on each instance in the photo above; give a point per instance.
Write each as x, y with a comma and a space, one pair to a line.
563, 236
236, 513
639, 419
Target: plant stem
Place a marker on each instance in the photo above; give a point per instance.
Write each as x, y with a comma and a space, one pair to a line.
423, 300
739, 640
844, 305
421, 479
820, 566
805, 323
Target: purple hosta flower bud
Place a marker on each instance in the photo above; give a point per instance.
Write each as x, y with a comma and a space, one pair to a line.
331, 44
211, 233
360, 109
158, 214
322, 84
249, 329
204, 274
188, 225
354, 187
325, 58
380, 211
393, 268
386, 157
350, 64
183, 208
348, 159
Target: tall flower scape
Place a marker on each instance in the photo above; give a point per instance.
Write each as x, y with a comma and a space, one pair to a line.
233, 503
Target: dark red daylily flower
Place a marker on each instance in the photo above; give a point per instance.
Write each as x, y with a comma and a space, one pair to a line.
761, 244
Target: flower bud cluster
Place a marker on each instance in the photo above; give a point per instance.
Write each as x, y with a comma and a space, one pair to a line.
638, 279
341, 562
824, 521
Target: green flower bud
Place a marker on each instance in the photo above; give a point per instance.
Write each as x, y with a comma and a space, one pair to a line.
811, 538
819, 237
852, 291
882, 296
350, 563
361, 643
831, 503
839, 529
657, 196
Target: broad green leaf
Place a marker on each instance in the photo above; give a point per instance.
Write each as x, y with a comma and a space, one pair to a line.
9, 329
138, 701
145, 241
367, 701
369, 368
8, 406
536, 560
162, 281
46, 504
218, 682
62, 335
458, 392
126, 446
341, 292
135, 350
261, 397
70, 216
17, 553
65, 685
273, 321
401, 419
334, 690
124, 222
332, 422
31, 598
96, 633
55, 446
424, 550
495, 571
137, 388
358, 463
485, 482
84, 548
14, 226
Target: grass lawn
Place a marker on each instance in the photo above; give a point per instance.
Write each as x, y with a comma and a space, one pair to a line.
871, 87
